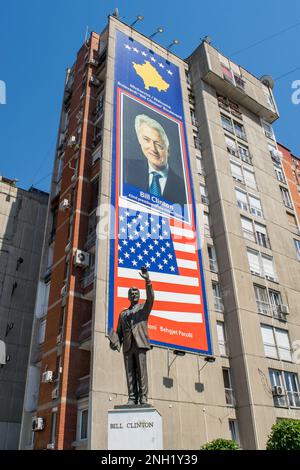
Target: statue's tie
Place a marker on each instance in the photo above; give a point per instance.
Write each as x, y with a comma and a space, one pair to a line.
155, 186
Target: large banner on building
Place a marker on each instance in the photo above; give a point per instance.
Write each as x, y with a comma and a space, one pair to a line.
153, 222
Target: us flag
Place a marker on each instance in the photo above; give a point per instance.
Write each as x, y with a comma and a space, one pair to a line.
169, 251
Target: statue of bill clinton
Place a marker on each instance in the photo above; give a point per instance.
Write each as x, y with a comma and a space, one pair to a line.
132, 333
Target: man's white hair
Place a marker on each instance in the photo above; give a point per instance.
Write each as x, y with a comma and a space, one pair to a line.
144, 119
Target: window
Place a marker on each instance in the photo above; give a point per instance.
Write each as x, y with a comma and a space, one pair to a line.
268, 302
254, 262
248, 203
228, 387
218, 303
203, 192
297, 246
279, 174
286, 197
261, 265
213, 265
53, 427
243, 175
82, 423
268, 267
247, 228
249, 178
234, 431
242, 199
231, 146
244, 154
276, 343
289, 383
292, 220
42, 331
239, 130
207, 225
261, 235
255, 206
262, 300
199, 166
227, 124
222, 342
268, 130
236, 171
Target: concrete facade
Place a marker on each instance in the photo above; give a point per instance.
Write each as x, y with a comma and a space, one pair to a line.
234, 396
22, 220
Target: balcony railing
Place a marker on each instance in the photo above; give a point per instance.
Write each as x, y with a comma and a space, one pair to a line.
91, 240
87, 279
264, 307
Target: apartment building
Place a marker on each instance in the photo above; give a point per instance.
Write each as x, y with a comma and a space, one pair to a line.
247, 243
22, 221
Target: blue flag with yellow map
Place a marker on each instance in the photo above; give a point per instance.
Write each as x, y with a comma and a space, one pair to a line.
138, 66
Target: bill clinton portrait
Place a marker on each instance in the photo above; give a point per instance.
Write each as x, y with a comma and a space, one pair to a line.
153, 169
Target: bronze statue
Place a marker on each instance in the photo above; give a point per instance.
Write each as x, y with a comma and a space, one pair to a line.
132, 333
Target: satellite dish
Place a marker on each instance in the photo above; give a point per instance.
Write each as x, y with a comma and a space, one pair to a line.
268, 81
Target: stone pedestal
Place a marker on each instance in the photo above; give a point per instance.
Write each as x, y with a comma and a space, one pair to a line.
134, 428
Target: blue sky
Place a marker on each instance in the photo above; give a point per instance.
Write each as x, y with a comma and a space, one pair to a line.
39, 40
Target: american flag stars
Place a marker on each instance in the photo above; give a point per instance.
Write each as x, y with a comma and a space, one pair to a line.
141, 242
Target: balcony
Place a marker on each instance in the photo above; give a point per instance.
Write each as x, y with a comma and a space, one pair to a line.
91, 240
88, 279
85, 336
243, 88
83, 387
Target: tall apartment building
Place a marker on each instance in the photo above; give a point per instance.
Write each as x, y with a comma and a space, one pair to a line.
253, 298
22, 222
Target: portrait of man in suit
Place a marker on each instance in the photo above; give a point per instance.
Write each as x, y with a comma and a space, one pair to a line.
132, 334
153, 172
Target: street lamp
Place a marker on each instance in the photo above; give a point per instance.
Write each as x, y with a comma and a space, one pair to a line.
159, 30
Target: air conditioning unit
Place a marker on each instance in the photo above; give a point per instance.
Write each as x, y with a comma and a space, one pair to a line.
38, 424
64, 204
284, 309
47, 377
278, 391
94, 81
72, 140
54, 394
51, 446
63, 291
81, 259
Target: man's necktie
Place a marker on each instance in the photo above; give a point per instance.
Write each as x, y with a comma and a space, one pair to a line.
155, 186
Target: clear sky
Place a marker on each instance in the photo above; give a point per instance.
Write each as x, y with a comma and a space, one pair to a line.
39, 40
